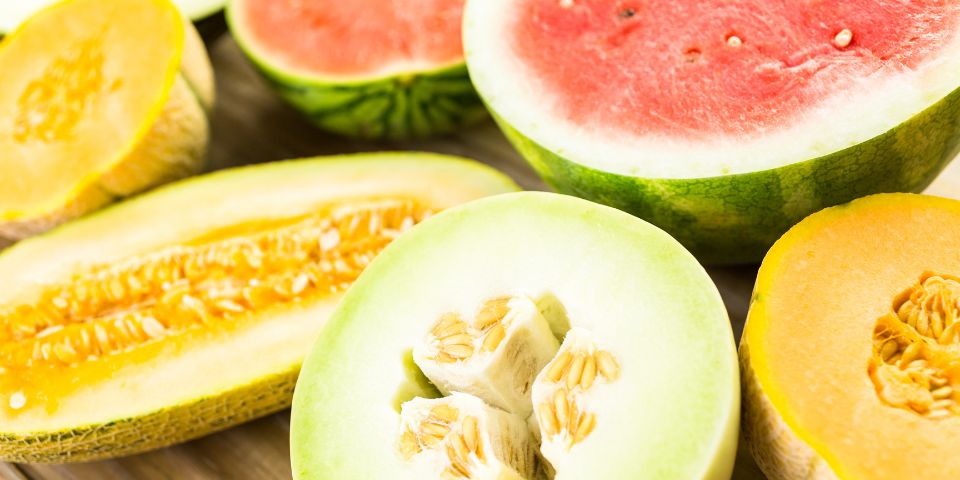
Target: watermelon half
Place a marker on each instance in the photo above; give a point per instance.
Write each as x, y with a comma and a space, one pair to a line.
14, 12
363, 68
722, 122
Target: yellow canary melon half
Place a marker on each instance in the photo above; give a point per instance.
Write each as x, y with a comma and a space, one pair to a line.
99, 99
851, 352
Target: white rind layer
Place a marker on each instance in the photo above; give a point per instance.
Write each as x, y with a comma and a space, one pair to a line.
865, 108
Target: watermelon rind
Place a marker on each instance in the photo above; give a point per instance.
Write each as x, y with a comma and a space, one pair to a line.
729, 218
734, 219
403, 105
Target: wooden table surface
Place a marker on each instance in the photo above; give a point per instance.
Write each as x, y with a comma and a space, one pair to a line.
250, 125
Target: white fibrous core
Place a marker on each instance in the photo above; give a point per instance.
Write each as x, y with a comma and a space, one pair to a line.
493, 354
460, 437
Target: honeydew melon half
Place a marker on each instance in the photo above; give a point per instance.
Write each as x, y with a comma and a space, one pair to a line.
722, 122
189, 309
99, 99
14, 12
477, 299
363, 68
849, 354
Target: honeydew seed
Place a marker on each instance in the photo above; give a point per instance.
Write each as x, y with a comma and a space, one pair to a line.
576, 370
462, 453
608, 365
843, 38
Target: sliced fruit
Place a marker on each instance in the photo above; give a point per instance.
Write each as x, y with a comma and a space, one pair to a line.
639, 314
361, 69
13, 13
722, 122
850, 355
112, 327
459, 436
98, 100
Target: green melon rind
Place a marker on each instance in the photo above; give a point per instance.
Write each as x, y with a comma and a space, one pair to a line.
410, 105
734, 219
127, 436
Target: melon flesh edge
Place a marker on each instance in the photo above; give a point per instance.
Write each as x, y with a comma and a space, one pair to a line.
879, 103
385, 313
174, 147
163, 400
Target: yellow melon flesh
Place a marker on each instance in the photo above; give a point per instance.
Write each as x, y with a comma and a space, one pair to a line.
98, 100
811, 409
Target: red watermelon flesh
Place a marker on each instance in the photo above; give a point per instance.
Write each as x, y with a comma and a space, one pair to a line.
356, 37
671, 67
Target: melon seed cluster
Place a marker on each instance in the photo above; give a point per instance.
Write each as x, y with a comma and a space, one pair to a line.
494, 357
109, 309
524, 371
916, 348
463, 438
562, 390
53, 104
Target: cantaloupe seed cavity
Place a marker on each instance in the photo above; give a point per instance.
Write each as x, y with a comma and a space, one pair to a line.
916, 349
212, 281
562, 390
463, 438
54, 103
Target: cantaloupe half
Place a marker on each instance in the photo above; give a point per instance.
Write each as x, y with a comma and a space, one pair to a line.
851, 352
99, 99
189, 309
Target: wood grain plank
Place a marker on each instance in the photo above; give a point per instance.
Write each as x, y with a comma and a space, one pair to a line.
250, 125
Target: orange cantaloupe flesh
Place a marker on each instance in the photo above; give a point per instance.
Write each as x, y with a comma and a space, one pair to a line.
808, 340
87, 85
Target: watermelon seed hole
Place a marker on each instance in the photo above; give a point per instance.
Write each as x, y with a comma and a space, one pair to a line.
628, 12
692, 54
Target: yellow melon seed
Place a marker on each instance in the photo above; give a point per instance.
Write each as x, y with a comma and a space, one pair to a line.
444, 413
589, 373
107, 309
561, 407
471, 432
555, 373
576, 369
409, 446
494, 337
607, 365
548, 421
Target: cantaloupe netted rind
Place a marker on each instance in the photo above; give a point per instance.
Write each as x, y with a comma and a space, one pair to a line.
189, 309
132, 115
412, 95
671, 412
824, 396
725, 196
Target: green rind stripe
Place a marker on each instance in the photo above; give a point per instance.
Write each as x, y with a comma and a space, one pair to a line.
735, 218
409, 105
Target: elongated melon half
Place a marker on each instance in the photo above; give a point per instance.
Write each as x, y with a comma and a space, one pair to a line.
518, 335
14, 12
363, 68
99, 99
189, 309
851, 353
724, 122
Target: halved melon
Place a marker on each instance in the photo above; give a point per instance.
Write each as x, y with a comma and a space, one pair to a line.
851, 352
724, 122
14, 12
99, 99
595, 329
189, 309
363, 68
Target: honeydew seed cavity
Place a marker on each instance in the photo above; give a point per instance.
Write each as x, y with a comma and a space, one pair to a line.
563, 391
493, 353
461, 437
